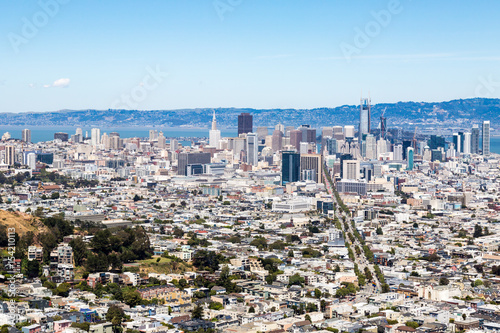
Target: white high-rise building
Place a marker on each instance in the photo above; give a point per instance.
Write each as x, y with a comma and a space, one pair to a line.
95, 136
351, 169
174, 144
214, 134
31, 161
371, 147
398, 152
349, 131
252, 149
153, 135
26, 135
467, 143
79, 131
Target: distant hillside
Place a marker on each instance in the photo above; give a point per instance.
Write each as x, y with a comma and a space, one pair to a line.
451, 114
21, 222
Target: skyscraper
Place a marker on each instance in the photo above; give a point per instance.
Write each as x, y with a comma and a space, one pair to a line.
457, 142
312, 163
351, 169
10, 155
466, 148
296, 138
290, 167
95, 136
214, 134
245, 123
364, 116
474, 144
252, 149
486, 137
349, 131
409, 155
153, 135
26, 135
162, 142
277, 140
371, 147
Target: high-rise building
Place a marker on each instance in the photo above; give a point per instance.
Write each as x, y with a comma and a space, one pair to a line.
174, 144
31, 161
398, 152
486, 137
351, 169
10, 155
338, 132
252, 148
280, 127
95, 136
383, 127
349, 131
26, 135
262, 132
474, 144
371, 147
61, 136
214, 134
457, 142
436, 141
105, 141
466, 148
290, 167
312, 163
79, 131
364, 116
245, 123
277, 140
409, 155
162, 142
186, 159
331, 146
327, 132
153, 135
295, 138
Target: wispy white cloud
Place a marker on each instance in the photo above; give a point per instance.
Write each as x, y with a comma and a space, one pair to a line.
59, 83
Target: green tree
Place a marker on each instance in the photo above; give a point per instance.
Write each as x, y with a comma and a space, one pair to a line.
296, 279
80, 250
478, 231
379, 231
197, 312
131, 297
33, 269
115, 315
444, 281
251, 310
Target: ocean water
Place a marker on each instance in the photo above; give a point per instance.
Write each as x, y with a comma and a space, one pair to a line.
43, 133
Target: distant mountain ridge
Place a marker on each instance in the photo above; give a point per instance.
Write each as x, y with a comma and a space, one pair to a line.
461, 113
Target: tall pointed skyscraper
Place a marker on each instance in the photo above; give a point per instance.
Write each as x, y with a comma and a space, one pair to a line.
214, 134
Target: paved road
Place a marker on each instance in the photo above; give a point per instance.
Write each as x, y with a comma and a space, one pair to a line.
360, 260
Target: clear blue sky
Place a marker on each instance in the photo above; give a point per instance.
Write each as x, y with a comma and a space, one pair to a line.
256, 53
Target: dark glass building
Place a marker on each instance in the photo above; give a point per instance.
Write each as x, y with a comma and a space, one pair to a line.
290, 167
245, 123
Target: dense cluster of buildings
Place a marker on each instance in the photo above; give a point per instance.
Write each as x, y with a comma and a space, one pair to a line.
301, 216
